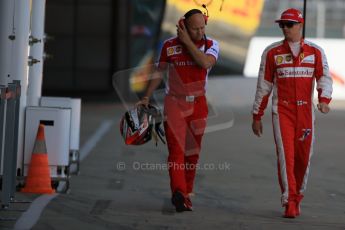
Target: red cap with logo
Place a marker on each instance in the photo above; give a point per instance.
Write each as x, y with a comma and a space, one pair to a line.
292, 15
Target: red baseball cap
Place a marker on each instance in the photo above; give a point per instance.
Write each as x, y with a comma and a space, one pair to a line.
292, 15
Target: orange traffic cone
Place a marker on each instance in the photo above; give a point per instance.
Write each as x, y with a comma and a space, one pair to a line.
38, 179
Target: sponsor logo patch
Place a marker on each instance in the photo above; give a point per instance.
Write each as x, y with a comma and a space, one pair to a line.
295, 72
283, 59
301, 56
306, 133
309, 59
170, 51
178, 49
300, 103
288, 58
279, 60
174, 50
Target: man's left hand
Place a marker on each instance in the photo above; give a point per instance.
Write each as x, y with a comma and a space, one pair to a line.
323, 107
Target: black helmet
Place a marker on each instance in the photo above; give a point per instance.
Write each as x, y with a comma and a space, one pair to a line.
139, 124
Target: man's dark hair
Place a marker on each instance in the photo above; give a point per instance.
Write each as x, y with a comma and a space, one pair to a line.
192, 12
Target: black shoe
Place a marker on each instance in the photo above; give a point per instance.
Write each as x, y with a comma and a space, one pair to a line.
178, 201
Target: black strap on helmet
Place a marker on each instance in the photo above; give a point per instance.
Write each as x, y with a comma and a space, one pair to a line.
156, 118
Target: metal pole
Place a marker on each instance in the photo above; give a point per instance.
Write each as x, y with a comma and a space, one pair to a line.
19, 63
305, 16
6, 39
2, 122
320, 19
9, 159
17, 96
36, 52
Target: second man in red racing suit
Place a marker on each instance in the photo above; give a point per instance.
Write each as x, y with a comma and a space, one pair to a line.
289, 68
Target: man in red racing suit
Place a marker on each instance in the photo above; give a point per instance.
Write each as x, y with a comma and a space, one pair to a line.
290, 68
188, 58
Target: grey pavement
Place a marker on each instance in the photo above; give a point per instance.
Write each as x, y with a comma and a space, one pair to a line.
237, 188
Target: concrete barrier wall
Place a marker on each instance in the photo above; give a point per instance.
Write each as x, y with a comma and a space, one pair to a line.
236, 91
239, 91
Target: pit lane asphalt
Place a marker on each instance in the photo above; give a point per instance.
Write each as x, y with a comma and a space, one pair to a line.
127, 187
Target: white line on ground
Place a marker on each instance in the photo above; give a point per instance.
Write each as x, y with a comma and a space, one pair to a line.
29, 218
95, 138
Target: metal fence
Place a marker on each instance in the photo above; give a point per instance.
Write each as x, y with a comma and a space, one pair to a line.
9, 119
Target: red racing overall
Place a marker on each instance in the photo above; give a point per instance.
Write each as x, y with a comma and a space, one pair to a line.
292, 81
185, 109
